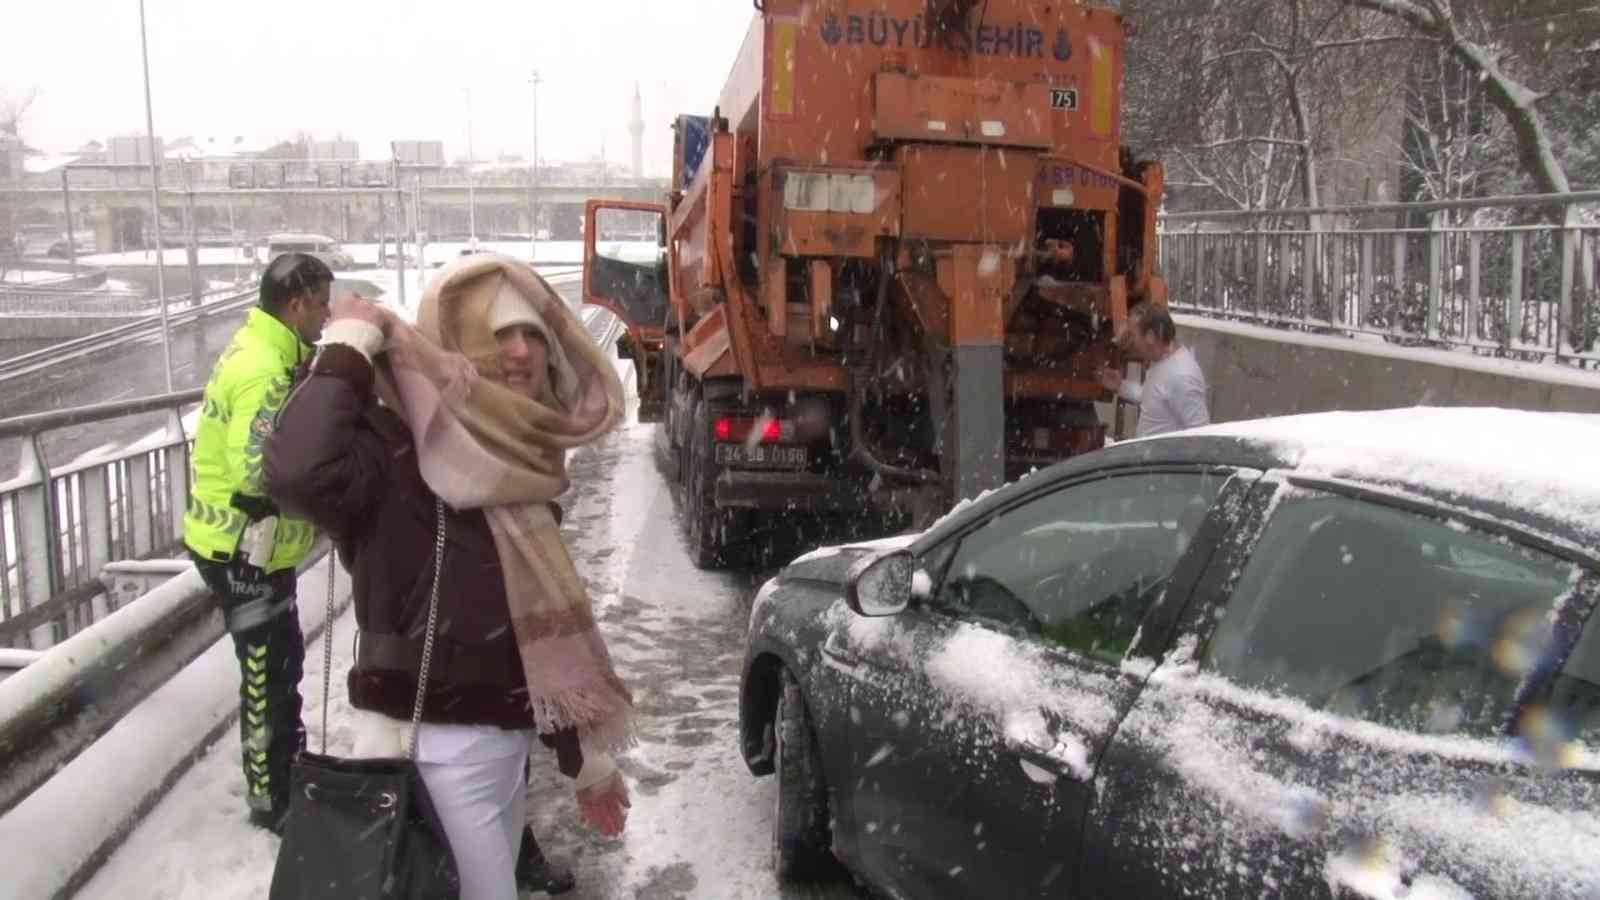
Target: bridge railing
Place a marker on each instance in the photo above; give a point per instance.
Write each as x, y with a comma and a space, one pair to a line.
70, 302
1508, 276
59, 525
92, 303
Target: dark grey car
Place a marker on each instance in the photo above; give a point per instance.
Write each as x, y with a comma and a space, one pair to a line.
1337, 655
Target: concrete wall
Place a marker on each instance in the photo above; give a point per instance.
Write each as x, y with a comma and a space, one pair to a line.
1255, 371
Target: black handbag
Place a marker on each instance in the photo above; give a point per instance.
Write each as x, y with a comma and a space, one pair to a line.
366, 829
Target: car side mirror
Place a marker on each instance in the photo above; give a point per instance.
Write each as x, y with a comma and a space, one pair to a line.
880, 585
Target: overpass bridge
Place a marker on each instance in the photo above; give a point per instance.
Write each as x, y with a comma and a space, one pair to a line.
1290, 311
117, 216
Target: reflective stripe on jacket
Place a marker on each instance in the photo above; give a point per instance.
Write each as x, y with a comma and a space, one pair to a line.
247, 388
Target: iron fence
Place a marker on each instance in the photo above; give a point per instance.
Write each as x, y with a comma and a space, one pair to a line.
1504, 276
60, 525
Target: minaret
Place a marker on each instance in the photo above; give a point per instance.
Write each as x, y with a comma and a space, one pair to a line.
637, 127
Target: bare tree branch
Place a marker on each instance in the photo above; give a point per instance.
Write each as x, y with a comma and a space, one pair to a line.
1363, 42
1234, 142
13, 109
1515, 101
1243, 51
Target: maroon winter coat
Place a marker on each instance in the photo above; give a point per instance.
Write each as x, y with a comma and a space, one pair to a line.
345, 462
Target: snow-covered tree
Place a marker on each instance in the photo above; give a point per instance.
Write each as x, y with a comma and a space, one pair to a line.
14, 105
1251, 100
1506, 45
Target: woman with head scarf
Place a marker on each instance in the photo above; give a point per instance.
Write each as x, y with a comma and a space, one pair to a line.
465, 420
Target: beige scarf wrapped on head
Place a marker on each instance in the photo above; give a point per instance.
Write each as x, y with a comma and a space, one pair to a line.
483, 446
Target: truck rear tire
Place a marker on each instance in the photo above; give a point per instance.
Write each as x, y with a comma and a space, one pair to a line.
706, 547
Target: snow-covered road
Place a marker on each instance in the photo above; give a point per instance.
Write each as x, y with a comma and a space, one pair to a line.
700, 824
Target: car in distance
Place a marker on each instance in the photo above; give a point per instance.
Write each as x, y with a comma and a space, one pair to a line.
321, 246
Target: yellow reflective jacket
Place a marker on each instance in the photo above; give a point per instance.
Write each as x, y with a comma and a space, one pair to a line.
247, 388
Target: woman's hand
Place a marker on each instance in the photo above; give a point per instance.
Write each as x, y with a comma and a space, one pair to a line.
452, 373
351, 305
604, 806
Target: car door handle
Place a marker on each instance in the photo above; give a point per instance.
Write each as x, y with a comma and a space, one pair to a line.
1050, 759
834, 649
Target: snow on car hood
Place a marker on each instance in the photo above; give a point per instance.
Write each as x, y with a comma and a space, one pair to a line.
1526, 460
897, 542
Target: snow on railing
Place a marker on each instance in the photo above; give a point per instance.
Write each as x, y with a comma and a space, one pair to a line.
66, 302
1516, 277
60, 525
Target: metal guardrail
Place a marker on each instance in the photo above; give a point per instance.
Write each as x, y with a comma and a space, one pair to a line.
1455, 274
70, 302
29, 363
59, 526
77, 691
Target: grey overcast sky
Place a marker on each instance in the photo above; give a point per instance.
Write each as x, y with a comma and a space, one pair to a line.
373, 71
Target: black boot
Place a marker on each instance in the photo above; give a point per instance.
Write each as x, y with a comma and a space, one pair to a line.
271, 820
535, 873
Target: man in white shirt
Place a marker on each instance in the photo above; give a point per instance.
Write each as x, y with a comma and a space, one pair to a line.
1173, 396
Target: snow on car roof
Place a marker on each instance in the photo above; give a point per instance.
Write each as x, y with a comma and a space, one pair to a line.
1543, 462
284, 237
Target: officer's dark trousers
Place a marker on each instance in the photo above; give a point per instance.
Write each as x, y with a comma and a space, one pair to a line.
259, 611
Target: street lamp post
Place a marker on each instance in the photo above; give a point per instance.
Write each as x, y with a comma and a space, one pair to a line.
155, 199
533, 184
472, 199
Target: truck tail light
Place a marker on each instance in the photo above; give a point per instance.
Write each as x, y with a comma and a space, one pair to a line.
744, 429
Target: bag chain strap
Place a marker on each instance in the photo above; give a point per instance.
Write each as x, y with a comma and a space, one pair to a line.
433, 617
327, 647
427, 642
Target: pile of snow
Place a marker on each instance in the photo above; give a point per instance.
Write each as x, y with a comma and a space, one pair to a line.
45, 277
1009, 682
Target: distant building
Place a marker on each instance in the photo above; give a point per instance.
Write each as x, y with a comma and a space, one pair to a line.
92, 153
12, 151
129, 150
335, 151
419, 153
216, 148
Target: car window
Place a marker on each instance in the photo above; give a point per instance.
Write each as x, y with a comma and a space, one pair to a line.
1575, 697
1389, 616
1081, 566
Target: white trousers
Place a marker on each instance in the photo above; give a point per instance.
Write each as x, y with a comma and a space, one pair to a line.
476, 776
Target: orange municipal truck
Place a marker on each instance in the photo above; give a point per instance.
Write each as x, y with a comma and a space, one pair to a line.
890, 262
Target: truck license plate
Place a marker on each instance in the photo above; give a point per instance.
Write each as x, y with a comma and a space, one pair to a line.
761, 456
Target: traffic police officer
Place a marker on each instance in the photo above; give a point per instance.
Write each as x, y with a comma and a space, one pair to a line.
245, 551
